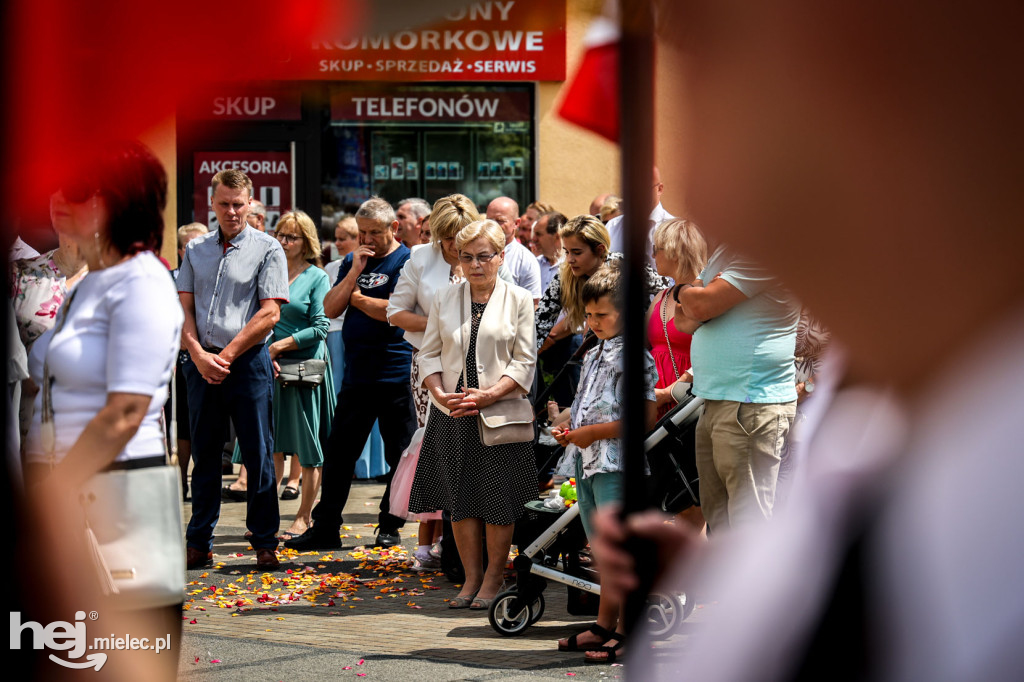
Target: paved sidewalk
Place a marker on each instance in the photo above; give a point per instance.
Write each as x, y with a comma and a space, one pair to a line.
322, 613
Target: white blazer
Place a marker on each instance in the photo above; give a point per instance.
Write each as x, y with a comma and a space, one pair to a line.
423, 275
505, 341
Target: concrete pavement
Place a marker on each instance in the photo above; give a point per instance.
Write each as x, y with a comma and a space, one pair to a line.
322, 613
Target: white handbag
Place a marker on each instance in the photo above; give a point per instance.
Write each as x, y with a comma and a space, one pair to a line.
133, 525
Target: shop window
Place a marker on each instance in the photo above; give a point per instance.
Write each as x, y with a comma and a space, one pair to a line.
428, 141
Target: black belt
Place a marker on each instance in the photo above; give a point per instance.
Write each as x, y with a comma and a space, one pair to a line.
138, 463
213, 349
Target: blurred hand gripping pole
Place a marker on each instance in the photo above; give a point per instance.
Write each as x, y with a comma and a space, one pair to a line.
636, 135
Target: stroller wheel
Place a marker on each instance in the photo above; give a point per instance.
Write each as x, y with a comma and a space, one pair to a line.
665, 613
537, 609
508, 622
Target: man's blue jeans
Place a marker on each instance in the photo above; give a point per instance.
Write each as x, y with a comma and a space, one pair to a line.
245, 398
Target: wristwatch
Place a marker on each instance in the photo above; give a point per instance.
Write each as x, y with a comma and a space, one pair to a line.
808, 386
678, 288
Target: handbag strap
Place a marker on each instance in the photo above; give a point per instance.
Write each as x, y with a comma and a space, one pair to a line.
462, 328
664, 328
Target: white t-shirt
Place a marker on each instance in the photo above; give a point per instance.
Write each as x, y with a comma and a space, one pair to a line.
121, 335
524, 268
618, 239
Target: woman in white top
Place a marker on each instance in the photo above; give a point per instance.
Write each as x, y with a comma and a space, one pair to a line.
111, 352
427, 271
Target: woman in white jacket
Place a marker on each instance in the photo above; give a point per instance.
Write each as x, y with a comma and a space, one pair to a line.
479, 348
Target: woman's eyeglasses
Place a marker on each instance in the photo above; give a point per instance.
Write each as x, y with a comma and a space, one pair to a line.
287, 238
482, 258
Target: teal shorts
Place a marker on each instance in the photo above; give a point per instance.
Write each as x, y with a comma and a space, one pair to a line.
594, 492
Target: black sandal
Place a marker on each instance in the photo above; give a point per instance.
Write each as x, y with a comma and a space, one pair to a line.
573, 643
611, 652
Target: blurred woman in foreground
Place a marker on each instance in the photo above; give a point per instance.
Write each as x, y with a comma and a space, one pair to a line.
103, 371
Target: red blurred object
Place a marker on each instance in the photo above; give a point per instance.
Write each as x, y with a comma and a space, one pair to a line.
82, 73
591, 99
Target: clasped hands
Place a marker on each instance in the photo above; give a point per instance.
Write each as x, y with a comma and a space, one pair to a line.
467, 403
212, 366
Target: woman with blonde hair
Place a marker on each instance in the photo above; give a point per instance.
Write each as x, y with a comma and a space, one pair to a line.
586, 244
680, 252
302, 414
611, 208
478, 349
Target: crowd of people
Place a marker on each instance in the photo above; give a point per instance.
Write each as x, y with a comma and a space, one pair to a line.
426, 328
856, 188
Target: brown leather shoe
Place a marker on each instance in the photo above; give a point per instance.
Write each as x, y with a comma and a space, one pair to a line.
196, 558
266, 560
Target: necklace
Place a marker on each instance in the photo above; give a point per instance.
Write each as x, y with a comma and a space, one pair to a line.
65, 268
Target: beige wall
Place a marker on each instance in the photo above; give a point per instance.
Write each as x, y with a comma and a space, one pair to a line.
574, 165
162, 140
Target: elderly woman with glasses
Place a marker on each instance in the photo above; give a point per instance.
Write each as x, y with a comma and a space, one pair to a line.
478, 348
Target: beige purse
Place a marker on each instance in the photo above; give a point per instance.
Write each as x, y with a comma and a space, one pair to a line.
506, 421
509, 420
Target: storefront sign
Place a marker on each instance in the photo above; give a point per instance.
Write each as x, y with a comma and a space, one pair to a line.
514, 40
432, 106
277, 104
270, 173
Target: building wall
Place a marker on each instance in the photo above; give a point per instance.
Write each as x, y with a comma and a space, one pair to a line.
162, 140
574, 165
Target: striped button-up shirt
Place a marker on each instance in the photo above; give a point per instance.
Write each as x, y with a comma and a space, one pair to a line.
230, 279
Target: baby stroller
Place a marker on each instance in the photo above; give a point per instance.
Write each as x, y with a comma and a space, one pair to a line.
550, 540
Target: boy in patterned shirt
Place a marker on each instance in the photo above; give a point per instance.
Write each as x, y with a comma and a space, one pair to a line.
591, 439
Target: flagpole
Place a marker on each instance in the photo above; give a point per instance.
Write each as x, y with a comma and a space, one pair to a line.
636, 107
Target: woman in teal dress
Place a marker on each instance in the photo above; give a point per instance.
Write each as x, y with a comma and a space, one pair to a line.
302, 416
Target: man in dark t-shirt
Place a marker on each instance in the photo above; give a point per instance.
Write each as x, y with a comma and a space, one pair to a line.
376, 381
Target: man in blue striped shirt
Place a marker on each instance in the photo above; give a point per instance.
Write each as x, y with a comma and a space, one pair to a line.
231, 284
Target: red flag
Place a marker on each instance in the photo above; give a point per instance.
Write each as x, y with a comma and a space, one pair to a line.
591, 99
